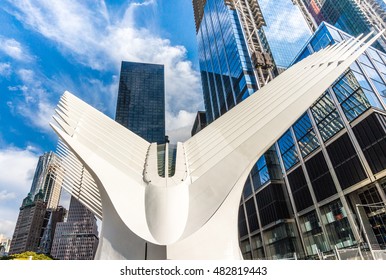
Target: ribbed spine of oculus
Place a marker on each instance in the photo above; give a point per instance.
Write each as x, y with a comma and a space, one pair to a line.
185, 207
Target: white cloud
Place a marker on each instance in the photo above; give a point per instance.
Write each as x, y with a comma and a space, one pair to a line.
5, 69
182, 119
14, 49
6, 195
17, 168
89, 35
281, 16
36, 105
180, 125
7, 227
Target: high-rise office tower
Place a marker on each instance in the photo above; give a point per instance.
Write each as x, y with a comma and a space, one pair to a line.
52, 218
375, 11
141, 100
4, 245
47, 179
76, 238
36, 208
28, 229
285, 29
352, 16
237, 49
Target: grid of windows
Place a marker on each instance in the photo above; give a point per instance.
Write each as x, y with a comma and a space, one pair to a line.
346, 163
376, 213
314, 239
251, 215
299, 188
226, 69
321, 180
351, 96
371, 135
283, 45
326, 117
374, 76
280, 241
334, 218
272, 204
141, 100
305, 135
243, 230
344, 14
257, 247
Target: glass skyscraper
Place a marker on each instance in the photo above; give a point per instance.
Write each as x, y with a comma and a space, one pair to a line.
351, 16
236, 59
241, 48
285, 29
141, 100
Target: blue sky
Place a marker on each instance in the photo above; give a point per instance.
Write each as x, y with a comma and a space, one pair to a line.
49, 46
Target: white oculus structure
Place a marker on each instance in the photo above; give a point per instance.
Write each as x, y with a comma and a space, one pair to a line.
191, 211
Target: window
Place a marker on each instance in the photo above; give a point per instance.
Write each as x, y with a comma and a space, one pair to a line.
305, 135
288, 150
313, 236
351, 97
326, 117
334, 218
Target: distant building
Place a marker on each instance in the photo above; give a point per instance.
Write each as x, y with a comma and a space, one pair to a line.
28, 230
52, 217
375, 11
199, 122
37, 207
47, 179
4, 245
76, 238
352, 16
141, 100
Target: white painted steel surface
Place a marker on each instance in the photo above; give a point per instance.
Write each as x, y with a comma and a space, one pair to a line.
193, 214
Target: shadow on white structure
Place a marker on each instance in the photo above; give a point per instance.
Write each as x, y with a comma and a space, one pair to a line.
158, 202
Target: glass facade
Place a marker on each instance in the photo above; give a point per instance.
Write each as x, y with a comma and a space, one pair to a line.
226, 69
347, 15
285, 30
296, 201
141, 100
326, 117
321, 160
288, 150
314, 239
334, 217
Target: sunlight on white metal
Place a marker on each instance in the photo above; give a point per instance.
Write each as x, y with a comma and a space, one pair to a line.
192, 214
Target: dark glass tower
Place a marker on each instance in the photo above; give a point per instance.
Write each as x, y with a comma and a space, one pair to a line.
141, 100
